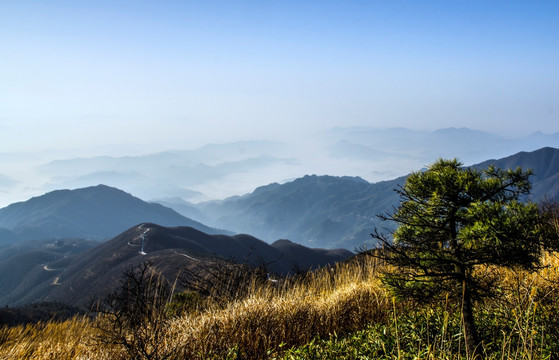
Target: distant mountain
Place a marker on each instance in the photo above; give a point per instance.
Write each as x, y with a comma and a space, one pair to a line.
183, 207
208, 154
317, 211
217, 171
97, 212
74, 279
7, 237
303, 258
313, 211
25, 267
328, 211
164, 174
134, 182
545, 165
448, 143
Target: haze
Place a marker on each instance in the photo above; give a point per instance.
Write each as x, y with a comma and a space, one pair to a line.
137, 77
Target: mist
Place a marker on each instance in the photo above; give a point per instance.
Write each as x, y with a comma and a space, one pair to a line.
219, 170
331, 87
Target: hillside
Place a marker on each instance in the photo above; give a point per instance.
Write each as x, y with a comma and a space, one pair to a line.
342, 313
98, 212
217, 171
57, 276
545, 165
318, 211
7, 237
328, 211
168, 173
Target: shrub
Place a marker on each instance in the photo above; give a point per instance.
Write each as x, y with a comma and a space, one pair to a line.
134, 315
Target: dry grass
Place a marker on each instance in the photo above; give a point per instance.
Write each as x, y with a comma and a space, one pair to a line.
70, 339
290, 313
320, 306
327, 304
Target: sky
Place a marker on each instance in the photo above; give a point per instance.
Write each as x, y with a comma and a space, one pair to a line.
146, 75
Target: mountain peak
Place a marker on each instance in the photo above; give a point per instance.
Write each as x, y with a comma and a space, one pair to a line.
330, 211
96, 212
331, 178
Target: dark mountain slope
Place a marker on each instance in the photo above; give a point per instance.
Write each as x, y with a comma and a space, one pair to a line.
545, 165
25, 265
7, 237
305, 258
38, 312
318, 211
327, 211
75, 279
97, 212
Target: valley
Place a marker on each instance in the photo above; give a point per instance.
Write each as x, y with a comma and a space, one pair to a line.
68, 249
71, 245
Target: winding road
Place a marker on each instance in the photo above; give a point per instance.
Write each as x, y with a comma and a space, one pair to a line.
56, 280
188, 256
142, 236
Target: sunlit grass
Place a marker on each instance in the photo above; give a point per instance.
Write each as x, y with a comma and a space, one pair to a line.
339, 314
272, 317
71, 339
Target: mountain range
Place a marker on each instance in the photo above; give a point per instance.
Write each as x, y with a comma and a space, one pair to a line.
328, 211
545, 165
98, 212
316, 211
52, 248
217, 171
402, 143
73, 271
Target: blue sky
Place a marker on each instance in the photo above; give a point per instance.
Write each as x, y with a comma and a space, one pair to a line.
94, 74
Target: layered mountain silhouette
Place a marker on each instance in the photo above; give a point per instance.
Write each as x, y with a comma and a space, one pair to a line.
427, 145
545, 165
60, 276
221, 170
169, 173
98, 212
45, 254
328, 211
317, 211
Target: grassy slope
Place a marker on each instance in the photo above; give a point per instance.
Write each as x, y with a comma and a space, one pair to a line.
340, 314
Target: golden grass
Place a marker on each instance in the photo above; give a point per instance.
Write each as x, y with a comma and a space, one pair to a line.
272, 318
328, 301
71, 339
323, 305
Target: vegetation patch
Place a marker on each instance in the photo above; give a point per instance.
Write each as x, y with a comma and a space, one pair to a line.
340, 312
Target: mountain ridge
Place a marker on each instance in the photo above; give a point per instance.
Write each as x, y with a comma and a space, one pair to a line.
95, 212
316, 211
329, 211
75, 279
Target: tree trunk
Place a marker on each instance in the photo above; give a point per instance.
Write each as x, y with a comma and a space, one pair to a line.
473, 346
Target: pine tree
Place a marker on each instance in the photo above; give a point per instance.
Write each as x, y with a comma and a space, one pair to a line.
452, 220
